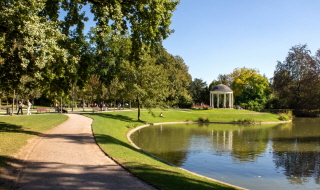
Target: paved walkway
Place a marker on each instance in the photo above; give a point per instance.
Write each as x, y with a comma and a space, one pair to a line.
67, 157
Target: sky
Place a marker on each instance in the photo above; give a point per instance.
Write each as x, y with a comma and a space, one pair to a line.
217, 36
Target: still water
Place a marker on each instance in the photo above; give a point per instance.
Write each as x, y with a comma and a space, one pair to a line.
260, 157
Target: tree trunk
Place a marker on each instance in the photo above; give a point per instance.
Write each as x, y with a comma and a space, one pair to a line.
83, 104
61, 104
139, 119
14, 93
72, 98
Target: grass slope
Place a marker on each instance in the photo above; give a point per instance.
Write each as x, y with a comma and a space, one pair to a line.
110, 131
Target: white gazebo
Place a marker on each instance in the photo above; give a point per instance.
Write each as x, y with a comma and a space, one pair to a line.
218, 90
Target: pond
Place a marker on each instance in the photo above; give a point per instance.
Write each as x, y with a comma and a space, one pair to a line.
260, 157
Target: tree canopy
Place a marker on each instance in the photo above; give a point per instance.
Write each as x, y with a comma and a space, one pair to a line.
250, 88
34, 42
296, 80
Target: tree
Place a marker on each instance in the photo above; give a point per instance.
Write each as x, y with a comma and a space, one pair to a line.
28, 41
177, 75
296, 80
250, 89
222, 79
197, 89
34, 42
146, 82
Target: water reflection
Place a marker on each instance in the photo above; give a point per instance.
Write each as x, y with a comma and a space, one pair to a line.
284, 156
299, 166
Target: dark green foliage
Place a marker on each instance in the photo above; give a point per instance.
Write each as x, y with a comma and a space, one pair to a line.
296, 81
199, 91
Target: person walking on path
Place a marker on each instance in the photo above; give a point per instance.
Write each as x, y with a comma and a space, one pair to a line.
29, 106
67, 157
20, 106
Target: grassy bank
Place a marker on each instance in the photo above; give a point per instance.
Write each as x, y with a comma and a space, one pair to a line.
110, 132
16, 130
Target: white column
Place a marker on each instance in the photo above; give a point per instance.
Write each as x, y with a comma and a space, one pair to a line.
212, 100
230, 100
224, 100
218, 101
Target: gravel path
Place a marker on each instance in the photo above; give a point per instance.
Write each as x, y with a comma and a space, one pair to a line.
67, 157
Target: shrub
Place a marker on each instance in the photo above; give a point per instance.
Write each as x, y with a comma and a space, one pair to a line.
201, 119
285, 116
201, 107
245, 121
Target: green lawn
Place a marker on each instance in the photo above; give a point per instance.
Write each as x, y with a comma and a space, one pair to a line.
16, 130
110, 131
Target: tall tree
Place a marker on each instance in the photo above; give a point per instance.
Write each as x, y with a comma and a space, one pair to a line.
250, 89
34, 42
147, 82
177, 75
28, 41
296, 80
222, 79
197, 89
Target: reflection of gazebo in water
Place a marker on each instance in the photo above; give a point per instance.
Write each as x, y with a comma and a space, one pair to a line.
218, 90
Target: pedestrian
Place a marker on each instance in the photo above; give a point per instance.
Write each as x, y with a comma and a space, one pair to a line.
29, 106
20, 106
101, 106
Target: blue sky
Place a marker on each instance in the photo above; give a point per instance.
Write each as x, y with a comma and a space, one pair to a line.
216, 36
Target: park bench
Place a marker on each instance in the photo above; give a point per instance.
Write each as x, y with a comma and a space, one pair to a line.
42, 109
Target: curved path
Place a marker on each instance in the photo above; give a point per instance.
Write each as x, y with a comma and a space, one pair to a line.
67, 157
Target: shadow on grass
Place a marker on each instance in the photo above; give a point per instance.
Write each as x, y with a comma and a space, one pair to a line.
106, 139
6, 127
36, 175
116, 117
166, 179
162, 178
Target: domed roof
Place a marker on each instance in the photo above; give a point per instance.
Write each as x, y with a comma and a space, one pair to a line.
221, 88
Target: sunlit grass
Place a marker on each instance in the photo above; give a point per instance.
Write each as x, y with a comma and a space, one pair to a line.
110, 131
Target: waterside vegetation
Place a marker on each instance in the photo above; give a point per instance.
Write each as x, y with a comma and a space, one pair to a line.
110, 131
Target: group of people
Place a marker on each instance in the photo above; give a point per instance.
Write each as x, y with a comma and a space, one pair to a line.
21, 105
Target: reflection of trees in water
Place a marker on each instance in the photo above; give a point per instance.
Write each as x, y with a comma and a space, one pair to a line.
249, 145
170, 145
298, 165
294, 147
297, 151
